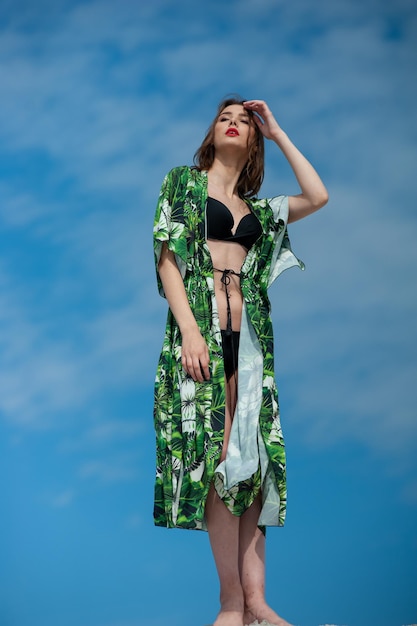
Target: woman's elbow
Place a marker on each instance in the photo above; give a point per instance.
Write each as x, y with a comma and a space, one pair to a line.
320, 199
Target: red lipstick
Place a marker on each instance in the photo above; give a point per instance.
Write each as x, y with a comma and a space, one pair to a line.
232, 132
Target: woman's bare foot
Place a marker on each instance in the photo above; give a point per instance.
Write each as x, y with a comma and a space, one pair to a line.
229, 618
263, 612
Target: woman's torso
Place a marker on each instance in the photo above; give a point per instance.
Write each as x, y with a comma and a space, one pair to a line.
229, 254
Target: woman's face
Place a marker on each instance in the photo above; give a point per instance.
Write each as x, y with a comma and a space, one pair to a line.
233, 127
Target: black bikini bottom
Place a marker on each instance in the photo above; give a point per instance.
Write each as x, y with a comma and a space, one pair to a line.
230, 343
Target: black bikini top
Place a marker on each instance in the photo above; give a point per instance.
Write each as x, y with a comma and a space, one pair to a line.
220, 223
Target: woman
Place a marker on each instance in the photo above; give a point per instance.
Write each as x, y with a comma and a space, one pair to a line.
220, 451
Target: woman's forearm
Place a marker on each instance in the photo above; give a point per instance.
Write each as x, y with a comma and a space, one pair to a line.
313, 192
175, 291
194, 352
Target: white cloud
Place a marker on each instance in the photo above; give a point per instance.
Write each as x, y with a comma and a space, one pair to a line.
134, 521
350, 353
111, 108
101, 433
64, 499
98, 101
110, 470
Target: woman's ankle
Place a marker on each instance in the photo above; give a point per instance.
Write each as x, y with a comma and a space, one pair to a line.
254, 600
232, 598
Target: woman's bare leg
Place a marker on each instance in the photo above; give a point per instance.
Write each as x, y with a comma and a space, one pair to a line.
238, 548
223, 528
252, 568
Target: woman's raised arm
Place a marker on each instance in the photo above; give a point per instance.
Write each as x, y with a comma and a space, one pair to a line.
313, 192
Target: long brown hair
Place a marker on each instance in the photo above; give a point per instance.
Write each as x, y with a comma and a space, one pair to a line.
252, 175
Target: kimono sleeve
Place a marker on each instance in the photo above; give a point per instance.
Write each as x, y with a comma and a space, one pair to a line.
283, 256
168, 226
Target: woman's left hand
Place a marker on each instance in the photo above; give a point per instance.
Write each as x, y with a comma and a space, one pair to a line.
264, 118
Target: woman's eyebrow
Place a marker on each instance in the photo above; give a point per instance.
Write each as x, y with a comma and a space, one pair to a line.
230, 113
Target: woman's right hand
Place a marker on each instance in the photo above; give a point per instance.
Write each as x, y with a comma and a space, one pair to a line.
195, 355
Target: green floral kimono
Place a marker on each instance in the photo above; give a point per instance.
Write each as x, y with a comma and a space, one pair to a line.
188, 415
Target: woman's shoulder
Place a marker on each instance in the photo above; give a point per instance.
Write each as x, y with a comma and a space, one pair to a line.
184, 171
268, 204
275, 208
267, 201
185, 179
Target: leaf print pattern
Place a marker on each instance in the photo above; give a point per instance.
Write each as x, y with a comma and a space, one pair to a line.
188, 415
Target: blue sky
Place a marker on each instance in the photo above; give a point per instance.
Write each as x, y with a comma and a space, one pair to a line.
98, 100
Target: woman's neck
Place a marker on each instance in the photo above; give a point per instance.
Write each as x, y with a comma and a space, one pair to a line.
224, 176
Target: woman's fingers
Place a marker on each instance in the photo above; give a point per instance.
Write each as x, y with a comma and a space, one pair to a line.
259, 106
197, 371
263, 118
204, 367
196, 363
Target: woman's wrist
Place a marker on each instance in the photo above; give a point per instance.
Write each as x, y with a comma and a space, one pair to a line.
279, 137
189, 328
